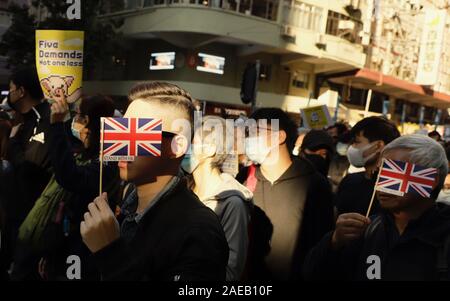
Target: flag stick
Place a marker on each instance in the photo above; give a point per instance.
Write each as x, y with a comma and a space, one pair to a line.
374, 189
102, 123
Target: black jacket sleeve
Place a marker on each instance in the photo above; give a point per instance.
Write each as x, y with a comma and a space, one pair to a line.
318, 218
324, 263
83, 180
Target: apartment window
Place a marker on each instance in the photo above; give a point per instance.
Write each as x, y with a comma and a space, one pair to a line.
344, 27
300, 80
302, 15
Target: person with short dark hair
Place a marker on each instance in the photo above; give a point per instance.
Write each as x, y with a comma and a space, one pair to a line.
317, 147
435, 136
369, 136
28, 147
293, 206
166, 232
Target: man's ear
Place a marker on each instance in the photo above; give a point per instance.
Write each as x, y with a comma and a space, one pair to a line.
179, 146
209, 149
282, 136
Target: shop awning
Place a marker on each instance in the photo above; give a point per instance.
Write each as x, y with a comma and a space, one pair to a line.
389, 85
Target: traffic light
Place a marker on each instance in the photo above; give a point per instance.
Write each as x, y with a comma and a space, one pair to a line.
248, 85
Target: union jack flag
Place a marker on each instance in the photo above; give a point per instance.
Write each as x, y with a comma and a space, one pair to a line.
130, 137
397, 177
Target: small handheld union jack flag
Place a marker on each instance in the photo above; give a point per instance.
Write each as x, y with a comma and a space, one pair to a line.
125, 138
397, 177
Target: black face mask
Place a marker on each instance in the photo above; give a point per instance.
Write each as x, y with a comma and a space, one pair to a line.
10, 104
320, 164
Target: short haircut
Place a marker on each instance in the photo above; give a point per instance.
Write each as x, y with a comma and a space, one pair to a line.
285, 122
425, 152
95, 107
28, 79
434, 133
166, 94
376, 128
340, 126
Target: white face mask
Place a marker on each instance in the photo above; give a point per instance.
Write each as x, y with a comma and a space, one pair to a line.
355, 155
341, 148
257, 149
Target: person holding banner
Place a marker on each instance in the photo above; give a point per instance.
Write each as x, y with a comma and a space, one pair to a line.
409, 239
51, 228
166, 233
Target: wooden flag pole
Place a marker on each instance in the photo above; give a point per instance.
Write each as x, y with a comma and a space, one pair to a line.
374, 189
102, 124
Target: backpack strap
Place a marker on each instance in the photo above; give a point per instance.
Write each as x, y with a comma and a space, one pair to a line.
442, 259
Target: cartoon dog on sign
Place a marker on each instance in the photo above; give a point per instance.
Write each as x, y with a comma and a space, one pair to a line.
58, 86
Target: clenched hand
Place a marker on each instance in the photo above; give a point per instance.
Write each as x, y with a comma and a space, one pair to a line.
99, 228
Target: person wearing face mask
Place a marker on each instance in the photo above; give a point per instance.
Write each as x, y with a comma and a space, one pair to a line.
293, 202
317, 147
339, 162
223, 194
27, 149
50, 232
369, 136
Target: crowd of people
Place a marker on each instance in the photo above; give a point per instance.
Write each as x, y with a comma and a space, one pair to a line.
297, 209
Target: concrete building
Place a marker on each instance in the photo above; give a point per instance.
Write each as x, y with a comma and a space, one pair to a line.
295, 41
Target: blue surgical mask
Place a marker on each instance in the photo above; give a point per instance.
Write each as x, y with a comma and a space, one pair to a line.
189, 163
75, 131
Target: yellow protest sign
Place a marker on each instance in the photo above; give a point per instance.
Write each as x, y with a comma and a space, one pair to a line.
59, 63
316, 117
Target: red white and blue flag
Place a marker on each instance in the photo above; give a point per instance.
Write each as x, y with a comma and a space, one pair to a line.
126, 138
397, 177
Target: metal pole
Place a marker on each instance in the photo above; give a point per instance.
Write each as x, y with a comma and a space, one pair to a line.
336, 110
368, 100
255, 93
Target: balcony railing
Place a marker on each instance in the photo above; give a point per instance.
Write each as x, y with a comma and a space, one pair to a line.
266, 9
295, 13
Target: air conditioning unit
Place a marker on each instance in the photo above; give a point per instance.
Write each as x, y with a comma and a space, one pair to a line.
288, 31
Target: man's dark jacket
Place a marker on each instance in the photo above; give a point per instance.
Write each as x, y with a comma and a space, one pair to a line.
410, 256
179, 238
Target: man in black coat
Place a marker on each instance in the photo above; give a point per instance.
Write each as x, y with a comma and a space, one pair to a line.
167, 233
28, 154
28, 148
408, 240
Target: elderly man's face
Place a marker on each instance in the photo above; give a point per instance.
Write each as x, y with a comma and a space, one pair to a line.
392, 202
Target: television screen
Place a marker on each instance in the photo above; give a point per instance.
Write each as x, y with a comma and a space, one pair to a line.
210, 63
162, 61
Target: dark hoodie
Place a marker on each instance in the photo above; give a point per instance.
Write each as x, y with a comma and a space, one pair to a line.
290, 217
411, 256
